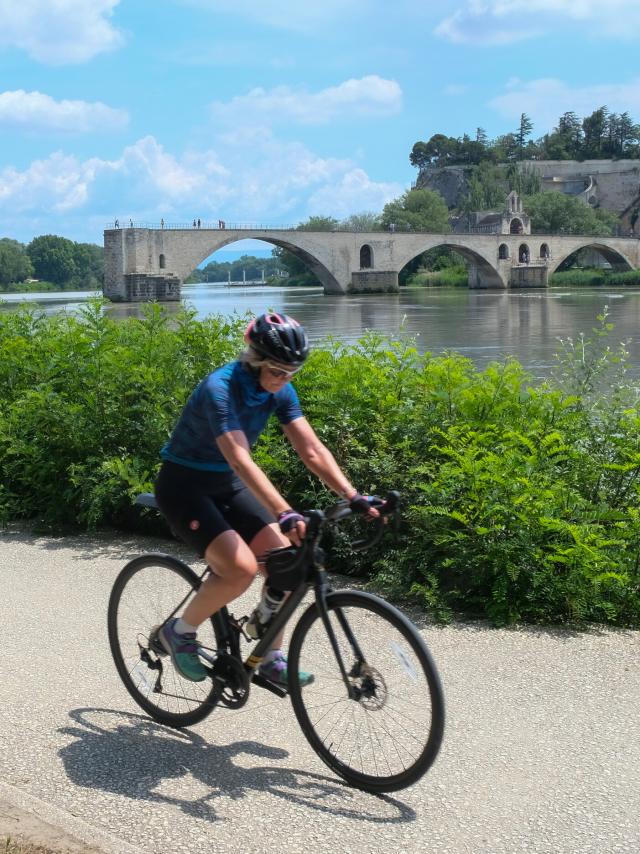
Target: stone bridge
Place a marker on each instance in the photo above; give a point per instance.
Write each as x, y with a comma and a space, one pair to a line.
151, 263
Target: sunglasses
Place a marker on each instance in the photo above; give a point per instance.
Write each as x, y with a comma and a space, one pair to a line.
279, 374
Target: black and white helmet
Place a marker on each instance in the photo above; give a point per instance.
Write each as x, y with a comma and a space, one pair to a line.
278, 337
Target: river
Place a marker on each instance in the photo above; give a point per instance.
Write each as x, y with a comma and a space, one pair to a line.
483, 325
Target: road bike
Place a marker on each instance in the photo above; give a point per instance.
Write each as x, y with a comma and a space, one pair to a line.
374, 712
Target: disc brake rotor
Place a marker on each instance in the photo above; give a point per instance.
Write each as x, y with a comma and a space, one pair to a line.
371, 687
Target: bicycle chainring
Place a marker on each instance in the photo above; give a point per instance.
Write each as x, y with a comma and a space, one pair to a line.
232, 680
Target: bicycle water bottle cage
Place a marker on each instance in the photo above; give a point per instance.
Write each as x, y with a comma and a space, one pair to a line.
285, 567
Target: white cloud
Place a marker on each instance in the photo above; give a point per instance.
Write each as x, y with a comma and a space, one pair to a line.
34, 111
498, 22
59, 32
352, 192
57, 184
367, 97
545, 100
259, 179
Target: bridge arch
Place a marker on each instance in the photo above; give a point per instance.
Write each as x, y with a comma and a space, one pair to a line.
324, 275
615, 257
206, 249
482, 272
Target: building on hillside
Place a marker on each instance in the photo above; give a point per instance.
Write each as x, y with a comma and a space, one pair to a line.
511, 220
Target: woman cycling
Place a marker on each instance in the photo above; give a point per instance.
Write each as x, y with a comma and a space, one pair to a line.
219, 501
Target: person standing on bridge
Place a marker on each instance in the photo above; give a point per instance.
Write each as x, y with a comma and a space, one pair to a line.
221, 503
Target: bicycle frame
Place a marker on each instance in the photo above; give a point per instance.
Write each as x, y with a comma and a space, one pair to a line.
315, 575
313, 563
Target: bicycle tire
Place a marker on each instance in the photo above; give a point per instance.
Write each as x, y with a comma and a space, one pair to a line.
185, 703
324, 721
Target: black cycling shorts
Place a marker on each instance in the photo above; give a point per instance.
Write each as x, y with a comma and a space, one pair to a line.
201, 505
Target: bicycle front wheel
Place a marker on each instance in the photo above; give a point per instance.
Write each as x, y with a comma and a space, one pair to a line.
145, 594
388, 733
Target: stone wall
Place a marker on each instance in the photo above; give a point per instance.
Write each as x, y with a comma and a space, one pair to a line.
143, 287
114, 254
529, 277
611, 184
366, 281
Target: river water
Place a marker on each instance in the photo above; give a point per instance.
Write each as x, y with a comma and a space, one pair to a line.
483, 325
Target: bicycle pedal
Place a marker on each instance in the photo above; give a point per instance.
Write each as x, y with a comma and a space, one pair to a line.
267, 684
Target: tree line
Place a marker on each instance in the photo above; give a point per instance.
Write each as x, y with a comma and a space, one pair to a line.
602, 135
53, 261
246, 267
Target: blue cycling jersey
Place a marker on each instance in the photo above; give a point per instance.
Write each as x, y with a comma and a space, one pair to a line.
229, 398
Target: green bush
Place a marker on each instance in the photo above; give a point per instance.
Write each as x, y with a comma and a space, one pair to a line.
520, 500
448, 276
595, 277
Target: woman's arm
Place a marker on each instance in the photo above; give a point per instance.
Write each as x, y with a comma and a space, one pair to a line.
235, 449
317, 457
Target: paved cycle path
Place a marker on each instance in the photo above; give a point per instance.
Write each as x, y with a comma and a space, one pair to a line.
541, 752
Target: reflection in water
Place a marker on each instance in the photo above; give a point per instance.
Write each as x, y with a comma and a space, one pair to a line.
483, 325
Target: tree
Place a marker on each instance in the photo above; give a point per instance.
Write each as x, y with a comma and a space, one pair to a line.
570, 127
52, 258
506, 147
487, 189
88, 260
594, 128
15, 264
438, 151
319, 223
365, 221
526, 126
417, 210
557, 213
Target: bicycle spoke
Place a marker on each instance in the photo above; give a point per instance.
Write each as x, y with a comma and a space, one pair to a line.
150, 589
380, 735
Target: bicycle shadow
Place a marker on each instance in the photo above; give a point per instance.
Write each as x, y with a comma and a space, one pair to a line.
140, 759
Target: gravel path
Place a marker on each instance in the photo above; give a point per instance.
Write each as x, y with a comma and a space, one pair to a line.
541, 752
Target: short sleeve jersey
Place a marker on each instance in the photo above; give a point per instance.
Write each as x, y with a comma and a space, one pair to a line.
229, 398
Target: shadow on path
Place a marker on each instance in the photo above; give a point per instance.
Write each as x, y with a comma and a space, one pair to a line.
132, 756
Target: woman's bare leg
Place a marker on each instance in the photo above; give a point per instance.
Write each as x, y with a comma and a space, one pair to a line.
234, 567
268, 538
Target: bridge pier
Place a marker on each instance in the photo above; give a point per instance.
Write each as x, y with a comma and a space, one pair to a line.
373, 281
130, 274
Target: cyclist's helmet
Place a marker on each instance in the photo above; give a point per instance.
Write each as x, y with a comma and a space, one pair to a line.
278, 337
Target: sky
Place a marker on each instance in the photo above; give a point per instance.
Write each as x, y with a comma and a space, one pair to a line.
270, 112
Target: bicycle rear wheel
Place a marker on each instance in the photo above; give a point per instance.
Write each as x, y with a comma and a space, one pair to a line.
145, 593
389, 734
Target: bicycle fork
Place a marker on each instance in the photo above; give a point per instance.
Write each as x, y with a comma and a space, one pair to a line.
322, 590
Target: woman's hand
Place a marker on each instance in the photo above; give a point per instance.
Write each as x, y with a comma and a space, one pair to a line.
292, 525
364, 504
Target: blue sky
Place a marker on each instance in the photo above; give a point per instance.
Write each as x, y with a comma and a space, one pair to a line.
268, 112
